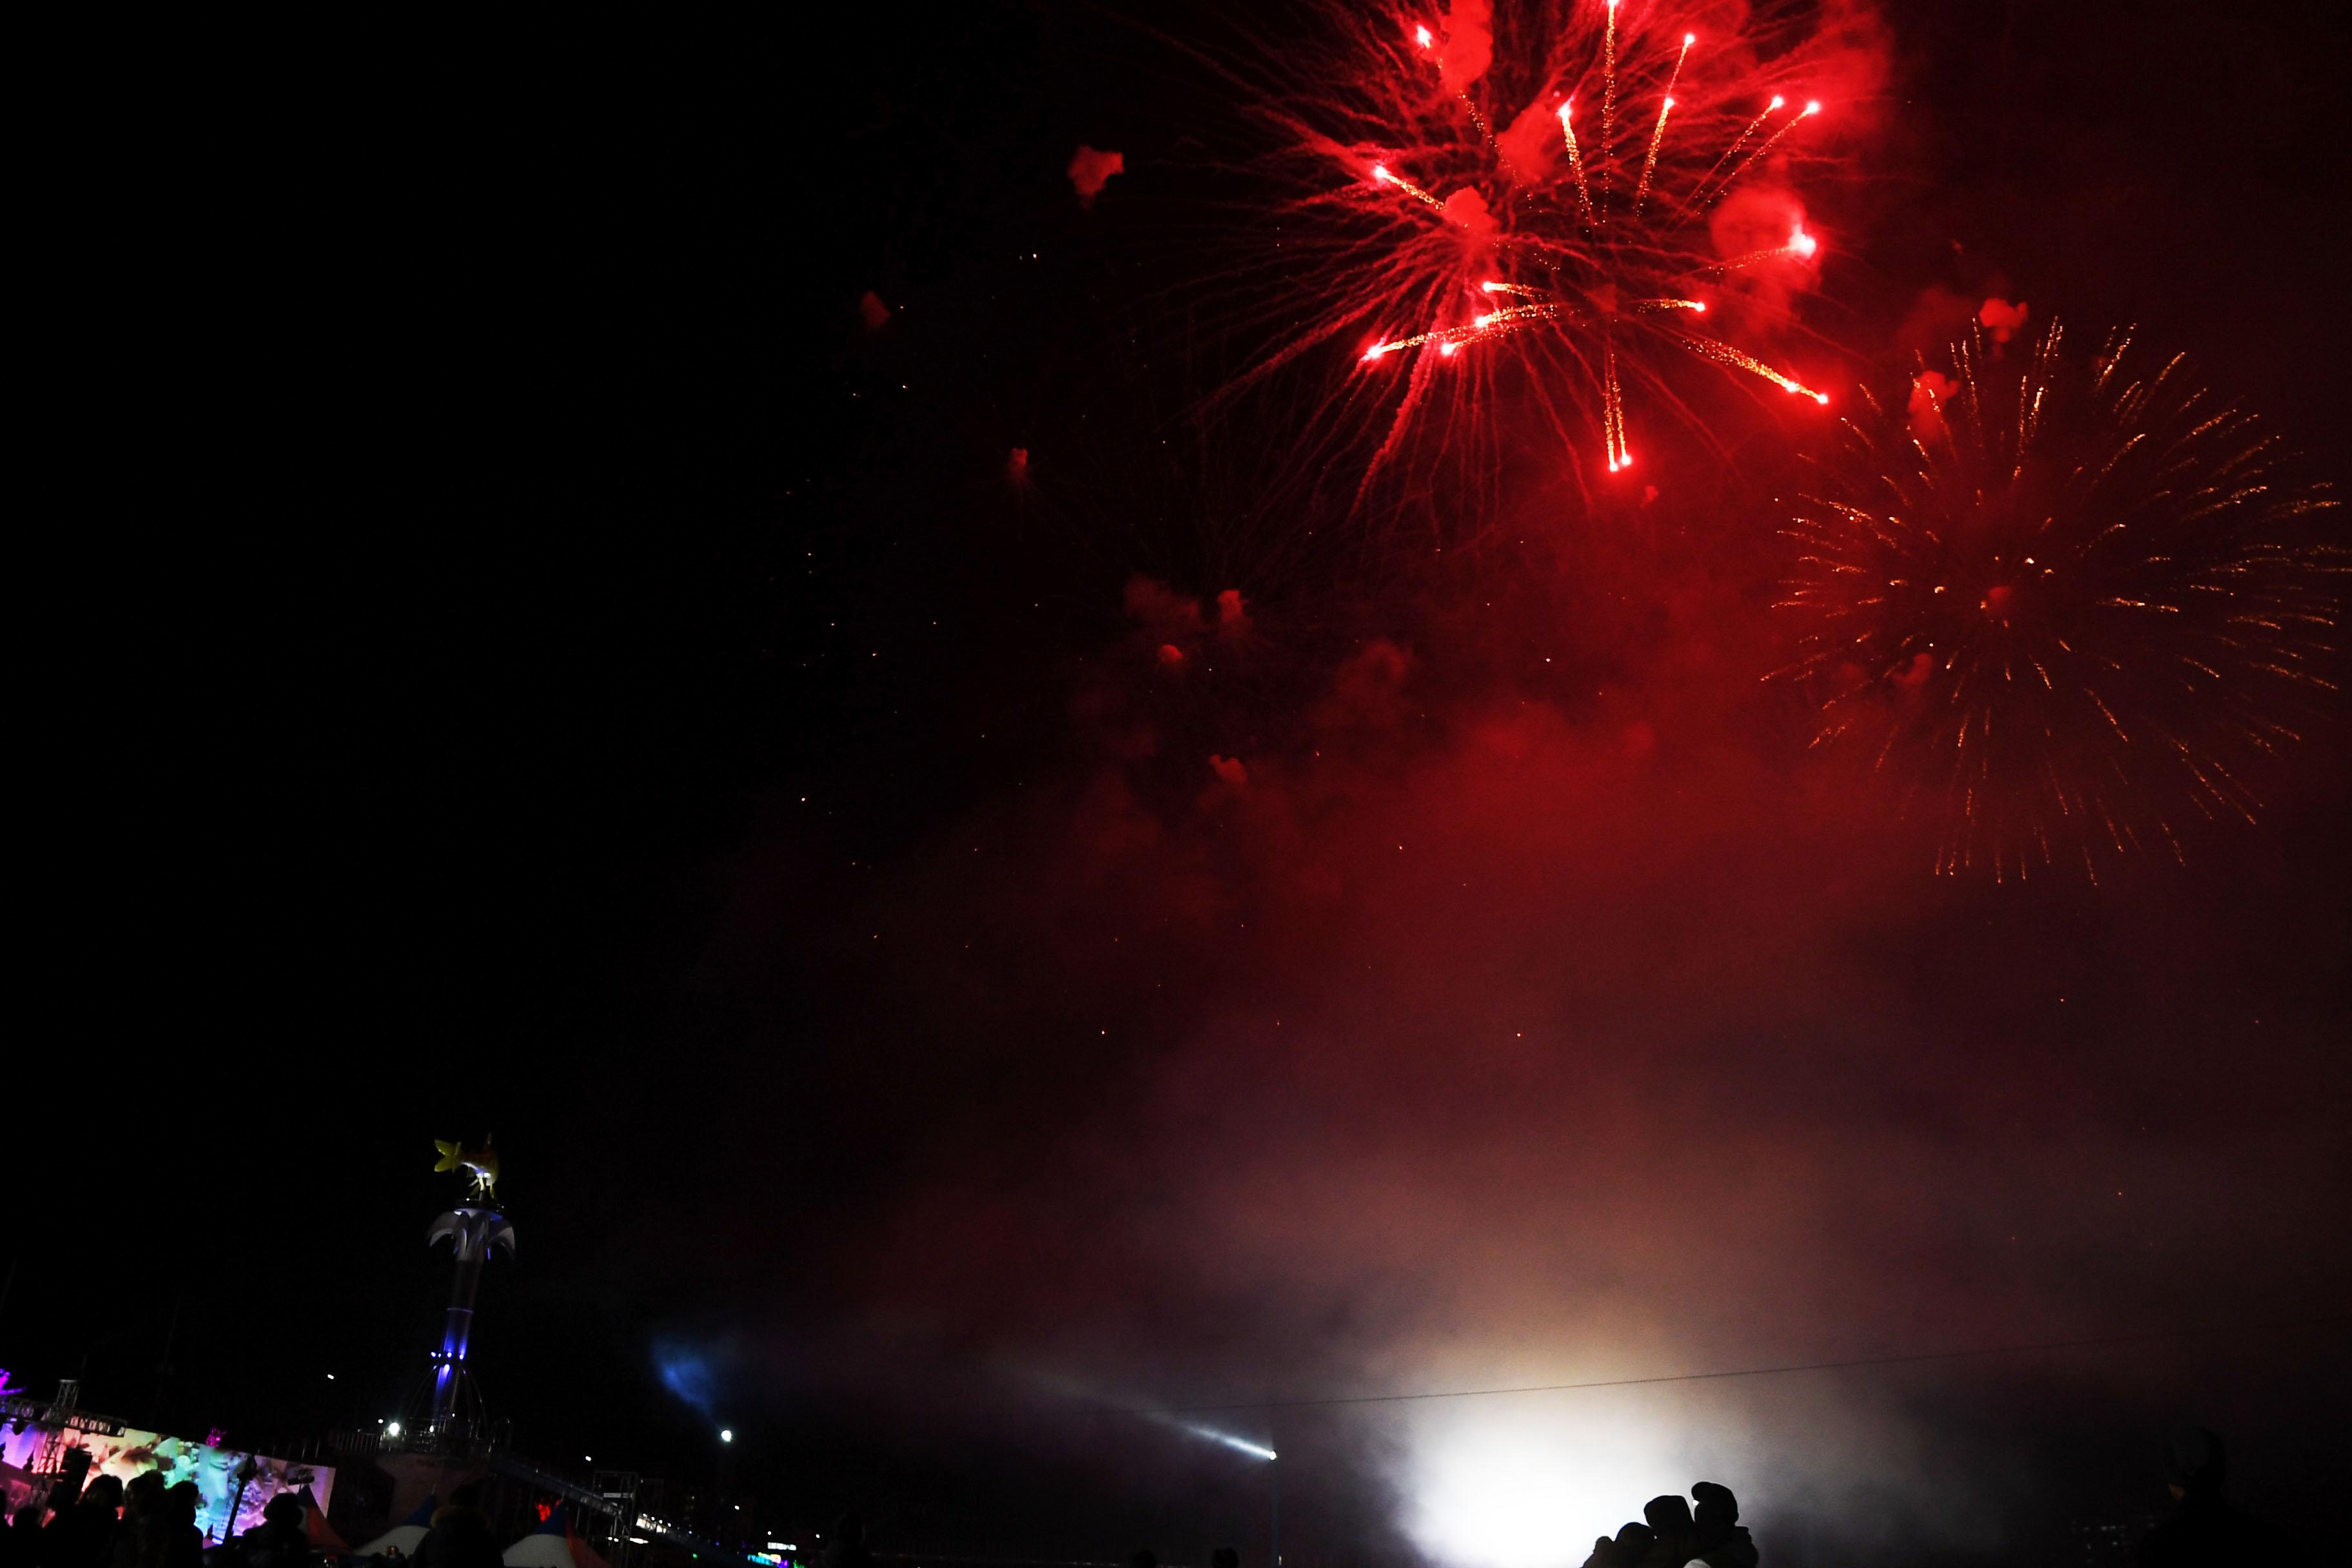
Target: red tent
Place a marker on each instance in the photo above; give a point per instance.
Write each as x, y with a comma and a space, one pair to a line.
317, 1530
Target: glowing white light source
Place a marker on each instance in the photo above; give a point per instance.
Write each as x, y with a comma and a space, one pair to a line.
1487, 1489
727, 1433
391, 1428
1239, 1444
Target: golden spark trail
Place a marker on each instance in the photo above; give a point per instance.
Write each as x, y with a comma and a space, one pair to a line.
1799, 244
1770, 143
1658, 136
1608, 104
1485, 131
1723, 353
1575, 162
1381, 171
1732, 151
1612, 414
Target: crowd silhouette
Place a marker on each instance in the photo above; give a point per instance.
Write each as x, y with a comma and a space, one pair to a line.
1673, 1534
144, 1523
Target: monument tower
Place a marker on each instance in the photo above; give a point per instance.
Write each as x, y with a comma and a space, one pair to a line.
475, 1229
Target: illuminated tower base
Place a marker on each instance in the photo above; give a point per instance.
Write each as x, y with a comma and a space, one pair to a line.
474, 1234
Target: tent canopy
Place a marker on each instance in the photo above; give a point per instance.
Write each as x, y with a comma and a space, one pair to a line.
405, 1536
549, 1546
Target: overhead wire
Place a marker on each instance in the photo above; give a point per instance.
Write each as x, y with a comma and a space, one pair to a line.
1781, 1369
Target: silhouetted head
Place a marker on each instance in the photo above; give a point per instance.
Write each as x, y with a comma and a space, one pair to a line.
469, 1495
2199, 1465
27, 1517
103, 1491
1716, 1517
141, 1490
1225, 1557
1634, 1543
283, 1508
1669, 1516
179, 1503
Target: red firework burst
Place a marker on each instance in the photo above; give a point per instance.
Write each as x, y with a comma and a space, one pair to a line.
1570, 187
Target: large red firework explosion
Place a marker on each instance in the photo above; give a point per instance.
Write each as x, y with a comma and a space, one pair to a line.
1586, 194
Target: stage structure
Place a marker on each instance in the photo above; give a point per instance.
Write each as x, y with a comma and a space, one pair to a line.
48, 1445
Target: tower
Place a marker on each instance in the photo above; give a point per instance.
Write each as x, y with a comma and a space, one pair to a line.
475, 1231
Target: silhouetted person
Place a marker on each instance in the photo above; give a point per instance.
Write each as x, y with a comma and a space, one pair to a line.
140, 1494
165, 1534
83, 1535
1630, 1549
2206, 1529
460, 1533
1669, 1518
847, 1547
1718, 1538
20, 1543
1225, 1557
279, 1540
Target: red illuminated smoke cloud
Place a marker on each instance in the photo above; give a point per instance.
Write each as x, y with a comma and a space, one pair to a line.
1091, 171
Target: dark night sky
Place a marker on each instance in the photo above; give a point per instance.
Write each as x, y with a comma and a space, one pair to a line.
606, 696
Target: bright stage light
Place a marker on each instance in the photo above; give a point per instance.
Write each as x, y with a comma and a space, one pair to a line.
1532, 1489
727, 1433
1239, 1445
1253, 1450
391, 1428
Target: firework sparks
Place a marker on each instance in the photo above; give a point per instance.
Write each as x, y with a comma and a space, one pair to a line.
1658, 136
2070, 607
1605, 246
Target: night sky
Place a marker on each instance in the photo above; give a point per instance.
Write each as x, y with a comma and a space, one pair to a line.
604, 693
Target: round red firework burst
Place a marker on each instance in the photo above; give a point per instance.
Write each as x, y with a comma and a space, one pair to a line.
1575, 189
2065, 600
